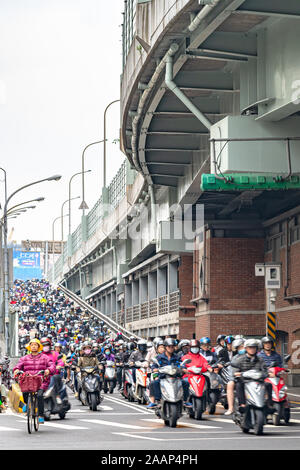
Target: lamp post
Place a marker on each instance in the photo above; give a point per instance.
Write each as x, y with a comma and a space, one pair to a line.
79, 173
62, 222
6, 282
53, 223
84, 205
104, 142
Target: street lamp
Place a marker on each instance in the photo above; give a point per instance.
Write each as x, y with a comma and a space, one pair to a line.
79, 173
6, 285
84, 205
62, 215
53, 223
104, 144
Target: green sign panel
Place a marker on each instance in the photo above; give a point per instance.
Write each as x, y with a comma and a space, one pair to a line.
248, 181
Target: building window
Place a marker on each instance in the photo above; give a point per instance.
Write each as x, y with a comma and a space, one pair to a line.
129, 26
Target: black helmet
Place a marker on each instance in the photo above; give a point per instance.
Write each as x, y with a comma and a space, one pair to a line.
220, 337
130, 346
169, 342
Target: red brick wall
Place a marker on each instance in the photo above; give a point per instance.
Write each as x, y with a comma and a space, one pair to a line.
185, 280
233, 286
289, 320
232, 281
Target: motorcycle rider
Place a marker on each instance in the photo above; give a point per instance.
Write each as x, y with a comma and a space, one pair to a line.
59, 365
268, 353
237, 349
183, 347
205, 350
269, 356
226, 354
197, 360
138, 355
248, 361
220, 343
167, 358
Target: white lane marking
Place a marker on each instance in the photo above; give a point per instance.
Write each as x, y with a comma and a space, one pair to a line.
120, 402
188, 425
207, 438
112, 423
4, 428
138, 436
101, 407
132, 404
220, 420
62, 426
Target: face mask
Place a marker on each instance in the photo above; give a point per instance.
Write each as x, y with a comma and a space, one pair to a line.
195, 350
107, 353
242, 351
46, 348
87, 351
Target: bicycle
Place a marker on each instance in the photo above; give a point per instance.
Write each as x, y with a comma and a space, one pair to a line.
31, 384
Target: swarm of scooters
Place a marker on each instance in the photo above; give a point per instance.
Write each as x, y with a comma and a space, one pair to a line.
245, 376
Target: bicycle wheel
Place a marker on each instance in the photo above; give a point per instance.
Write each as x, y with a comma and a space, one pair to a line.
35, 413
30, 413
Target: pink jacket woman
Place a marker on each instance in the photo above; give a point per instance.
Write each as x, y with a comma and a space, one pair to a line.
34, 364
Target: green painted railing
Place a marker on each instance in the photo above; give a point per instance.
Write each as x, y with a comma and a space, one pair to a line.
116, 191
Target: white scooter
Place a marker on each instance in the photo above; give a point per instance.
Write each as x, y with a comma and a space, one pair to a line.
140, 389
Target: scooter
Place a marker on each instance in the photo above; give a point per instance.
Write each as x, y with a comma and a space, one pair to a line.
89, 387
140, 389
254, 415
171, 403
53, 404
128, 389
198, 392
279, 394
110, 377
216, 388
225, 377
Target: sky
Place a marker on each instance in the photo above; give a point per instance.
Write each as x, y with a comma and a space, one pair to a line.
60, 66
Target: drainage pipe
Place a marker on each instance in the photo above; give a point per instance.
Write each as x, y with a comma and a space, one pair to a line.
209, 5
180, 95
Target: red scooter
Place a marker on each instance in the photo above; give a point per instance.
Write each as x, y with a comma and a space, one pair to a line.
279, 394
198, 392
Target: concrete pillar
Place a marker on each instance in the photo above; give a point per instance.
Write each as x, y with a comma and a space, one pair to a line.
135, 293
152, 285
173, 277
162, 281
143, 289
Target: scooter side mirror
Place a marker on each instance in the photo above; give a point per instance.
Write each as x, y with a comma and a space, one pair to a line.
186, 361
287, 358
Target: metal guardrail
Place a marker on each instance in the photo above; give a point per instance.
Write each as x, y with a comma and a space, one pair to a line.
112, 325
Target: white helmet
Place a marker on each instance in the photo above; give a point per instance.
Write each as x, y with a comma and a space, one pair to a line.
252, 343
237, 343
